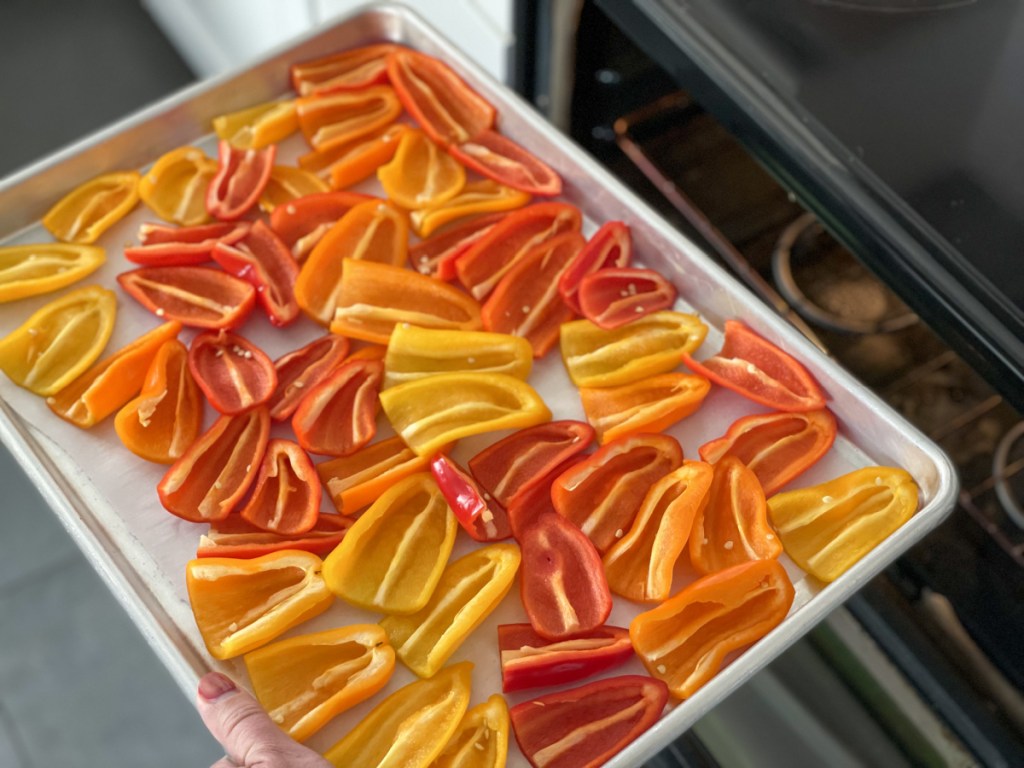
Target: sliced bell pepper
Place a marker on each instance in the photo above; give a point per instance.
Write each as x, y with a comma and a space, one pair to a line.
242, 174
301, 223
476, 197
92, 208
240, 605
481, 520
562, 586
167, 416
372, 231
828, 527
612, 297
112, 382
346, 71
415, 353
498, 157
585, 727
234, 537
339, 415
166, 246
535, 501
356, 481
374, 297
30, 270
260, 258
346, 115
304, 681
421, 174
347, 162
303, 369
411, 727
436, 256
603, 493
393, 555
486, 262
438, 99
651, 345
758, 370
640, 565
214, 473
234, 374
481, 740
175, 187
526, 301
201, 297
286, 497
777, 447
469, 589
530, 661
432, 412
652, 404
287, 183
611, 246
259, 126
59, 342
685, 640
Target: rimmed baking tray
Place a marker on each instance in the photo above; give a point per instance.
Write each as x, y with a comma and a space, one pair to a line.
106, 498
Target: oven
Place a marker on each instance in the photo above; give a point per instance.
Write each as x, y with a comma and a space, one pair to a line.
924, 665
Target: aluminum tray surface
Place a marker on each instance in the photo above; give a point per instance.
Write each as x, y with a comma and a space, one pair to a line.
106, 497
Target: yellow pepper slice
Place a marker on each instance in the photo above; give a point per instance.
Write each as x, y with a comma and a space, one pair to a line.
411, 726
286, 184
175, 187
469, 589
259, 126
645, 347
304, 681
476, 197
92, 208
421, 174
827, 528
414, 353
481, 740
29, 270
393, 555
60, 340
438, 410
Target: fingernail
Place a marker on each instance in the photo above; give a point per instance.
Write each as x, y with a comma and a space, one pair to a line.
214, 685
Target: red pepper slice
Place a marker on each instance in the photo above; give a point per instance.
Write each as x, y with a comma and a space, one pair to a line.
497, 157
436, 256
345, 71
777, 447
346, 115
234, 374
262, 259
165, 246
299, 371
524, 510
585, 727
201, 297
214, 473
339, 415
760, 371
286, 498
563, 586
301, 223
234, 537
241, 176
483, 265
603, 493
482, 521
446, 108
612, 297
526, 301
530, 661
610, 246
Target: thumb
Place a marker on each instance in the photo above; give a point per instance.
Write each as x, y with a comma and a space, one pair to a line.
249, 737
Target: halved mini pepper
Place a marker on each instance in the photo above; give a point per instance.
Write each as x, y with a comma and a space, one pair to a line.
476, 197
481, 740
30, 270
302, 222
200, 297
436, 256
286, 497
497, 157
393, 556
468, 590
421, 174
242, 174
165, 246
611, 246
357, 480
92, 208
685, 640
612, 297
303, 369
347, 162
482, 520
287, 183
259, 126
649, 405
345, 115
530, 661
346, 71
304, 681
524, 510
240, 605
828, 527
234, 537
234, 374
339, 415
757, 369
261, 259
175, 187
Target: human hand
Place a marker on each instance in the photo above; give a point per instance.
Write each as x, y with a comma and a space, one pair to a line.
249, 737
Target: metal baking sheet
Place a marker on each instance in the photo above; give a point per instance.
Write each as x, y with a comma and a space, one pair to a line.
106, 497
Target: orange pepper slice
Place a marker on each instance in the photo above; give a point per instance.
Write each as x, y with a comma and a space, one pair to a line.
649, 405
356, 481
259, 126
175, 187
286, 184
476, 197
346, 115
421, 174
29, 270
92, 208
348, 70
